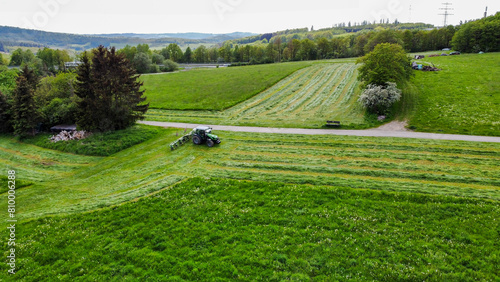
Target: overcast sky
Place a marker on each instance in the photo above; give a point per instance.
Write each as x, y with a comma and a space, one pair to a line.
224, 16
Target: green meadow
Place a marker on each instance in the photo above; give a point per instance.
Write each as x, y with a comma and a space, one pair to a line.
256, 207
462, 98
67, 182
213, 89
271, 207
227, 230
306, 98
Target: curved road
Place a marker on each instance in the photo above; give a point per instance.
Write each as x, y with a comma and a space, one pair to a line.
364, 133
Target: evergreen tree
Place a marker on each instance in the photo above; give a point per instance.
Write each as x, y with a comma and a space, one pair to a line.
110, 95
5, 125
24, 111
83, 89
188, 56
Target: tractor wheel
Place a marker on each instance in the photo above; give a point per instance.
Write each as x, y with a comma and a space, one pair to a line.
210, 143
197, 140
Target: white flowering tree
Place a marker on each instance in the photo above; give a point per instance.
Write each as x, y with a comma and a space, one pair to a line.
378, 98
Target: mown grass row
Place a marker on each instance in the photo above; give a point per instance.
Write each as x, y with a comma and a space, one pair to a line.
220, 229
315, 85
435, 167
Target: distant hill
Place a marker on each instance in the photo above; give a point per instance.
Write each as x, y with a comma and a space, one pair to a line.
14, 37
187, 35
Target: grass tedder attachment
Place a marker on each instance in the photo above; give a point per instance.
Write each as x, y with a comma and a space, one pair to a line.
179, 142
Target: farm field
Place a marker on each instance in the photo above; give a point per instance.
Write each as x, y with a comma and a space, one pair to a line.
364, 208
306, 98
462, 98
65, 183
214, 89
221, 229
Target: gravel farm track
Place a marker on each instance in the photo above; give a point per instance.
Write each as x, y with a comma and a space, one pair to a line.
384, 131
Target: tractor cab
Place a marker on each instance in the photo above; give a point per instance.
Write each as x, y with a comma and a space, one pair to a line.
203, 130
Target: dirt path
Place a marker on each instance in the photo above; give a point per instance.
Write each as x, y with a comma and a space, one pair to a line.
390, 130
394, 126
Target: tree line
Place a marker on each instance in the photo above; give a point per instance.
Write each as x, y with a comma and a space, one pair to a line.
473, 36
283, 49
145, 60
293, 45
481, 35
45, 62
329, 33
103, 94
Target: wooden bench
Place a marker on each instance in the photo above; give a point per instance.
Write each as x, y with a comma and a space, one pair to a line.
330, 123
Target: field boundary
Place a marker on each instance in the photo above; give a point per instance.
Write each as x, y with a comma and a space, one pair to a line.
360, 133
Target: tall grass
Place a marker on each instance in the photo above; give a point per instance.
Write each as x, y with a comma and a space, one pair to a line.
218, 229
215, 89
462, 98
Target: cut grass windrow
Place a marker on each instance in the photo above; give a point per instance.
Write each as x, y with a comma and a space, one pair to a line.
368, 171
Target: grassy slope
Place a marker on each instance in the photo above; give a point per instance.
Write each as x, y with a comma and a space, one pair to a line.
216, 229
99, 144
463, 98
65, 182
215, 89
69, 183
202, 228
307, 98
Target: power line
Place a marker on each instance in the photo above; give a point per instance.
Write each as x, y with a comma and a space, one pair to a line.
446, 9
410, 13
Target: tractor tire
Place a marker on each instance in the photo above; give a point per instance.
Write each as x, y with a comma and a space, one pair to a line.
210, 143
197, 140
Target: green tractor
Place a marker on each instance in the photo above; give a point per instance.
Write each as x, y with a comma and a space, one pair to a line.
203, 134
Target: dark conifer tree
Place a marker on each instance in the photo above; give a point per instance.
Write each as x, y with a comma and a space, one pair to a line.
5, 110
83, 89
24, 111
111, 98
